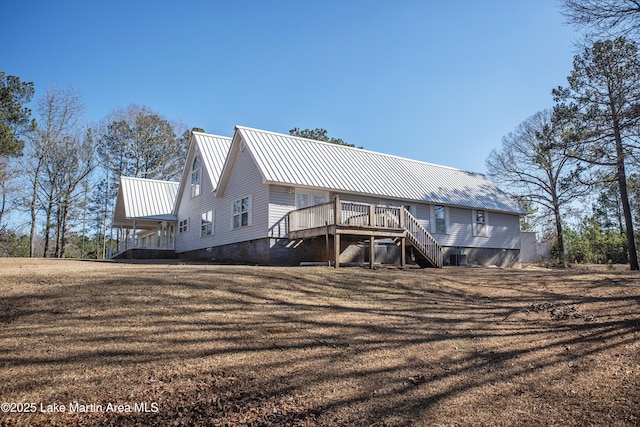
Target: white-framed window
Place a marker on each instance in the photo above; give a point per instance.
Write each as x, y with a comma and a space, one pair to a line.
480, 223
196, 177
206, 224
183, 226
242, 212
440, 217
306, 198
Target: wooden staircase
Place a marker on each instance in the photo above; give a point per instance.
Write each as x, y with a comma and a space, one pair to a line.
428, 251
339, 217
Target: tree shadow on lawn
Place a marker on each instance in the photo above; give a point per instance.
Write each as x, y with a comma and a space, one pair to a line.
321, 347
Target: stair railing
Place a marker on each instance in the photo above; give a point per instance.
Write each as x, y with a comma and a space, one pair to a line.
422, 240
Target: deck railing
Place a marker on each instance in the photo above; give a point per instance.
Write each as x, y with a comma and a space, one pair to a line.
312, 217
363, 215
349, 213
141, 243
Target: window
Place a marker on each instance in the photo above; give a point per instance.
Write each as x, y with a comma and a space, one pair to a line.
183, 226
480, 223
441, 220
241, 210
206, 224
196, 177
305, 198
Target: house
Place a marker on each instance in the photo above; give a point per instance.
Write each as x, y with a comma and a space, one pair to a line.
268, 198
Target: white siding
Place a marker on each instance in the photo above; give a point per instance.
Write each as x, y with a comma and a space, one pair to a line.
244, 181
282, 200
423, 215
193, 208
503, 230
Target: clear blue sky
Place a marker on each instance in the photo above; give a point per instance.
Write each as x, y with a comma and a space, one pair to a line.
436, 81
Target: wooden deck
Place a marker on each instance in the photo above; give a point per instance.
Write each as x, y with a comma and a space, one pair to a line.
338, 218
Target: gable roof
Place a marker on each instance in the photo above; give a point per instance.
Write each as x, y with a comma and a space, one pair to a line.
214, 150
289, 160
144, 199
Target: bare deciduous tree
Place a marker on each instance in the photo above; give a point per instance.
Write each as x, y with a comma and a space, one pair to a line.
605, 17
59, 112
533, 165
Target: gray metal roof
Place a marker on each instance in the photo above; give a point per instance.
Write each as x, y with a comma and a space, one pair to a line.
214, 150
145, 199
289, 160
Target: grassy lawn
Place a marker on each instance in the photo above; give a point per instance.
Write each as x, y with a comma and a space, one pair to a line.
229, 345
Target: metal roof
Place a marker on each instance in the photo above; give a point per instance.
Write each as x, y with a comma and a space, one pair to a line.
214, 150
145, 199
290, 160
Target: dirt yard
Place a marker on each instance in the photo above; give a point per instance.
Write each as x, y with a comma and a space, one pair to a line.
156, 344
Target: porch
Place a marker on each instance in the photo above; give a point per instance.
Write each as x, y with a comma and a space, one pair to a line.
338, 218
152, 236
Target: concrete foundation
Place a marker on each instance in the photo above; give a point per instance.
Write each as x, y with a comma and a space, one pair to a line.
485, 256
353, 249
138, 253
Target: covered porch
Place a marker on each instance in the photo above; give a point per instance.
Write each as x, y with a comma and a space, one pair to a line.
157, 233
143, 216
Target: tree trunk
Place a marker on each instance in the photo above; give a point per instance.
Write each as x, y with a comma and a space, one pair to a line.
33, 210
624, 198
560, 235
47, 229
3, 204
63, 228
58, 229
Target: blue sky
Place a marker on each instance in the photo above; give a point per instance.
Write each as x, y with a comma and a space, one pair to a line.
440, 82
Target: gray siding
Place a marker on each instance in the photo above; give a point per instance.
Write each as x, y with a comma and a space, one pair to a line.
193, 208
245, 181
282, 200
503, 230
423, 215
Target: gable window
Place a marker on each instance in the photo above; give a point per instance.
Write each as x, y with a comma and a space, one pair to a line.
196, 177
206, 224
183, 226
441, 219
480, 223
241, 212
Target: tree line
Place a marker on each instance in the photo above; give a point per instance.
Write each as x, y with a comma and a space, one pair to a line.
61, 174
584, 149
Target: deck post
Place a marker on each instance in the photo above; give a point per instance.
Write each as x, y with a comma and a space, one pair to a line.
372, 215
326, 230
372, 252
338, 212
402, 225
403, 251
336, 249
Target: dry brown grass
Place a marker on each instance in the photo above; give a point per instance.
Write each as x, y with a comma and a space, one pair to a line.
225, 345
